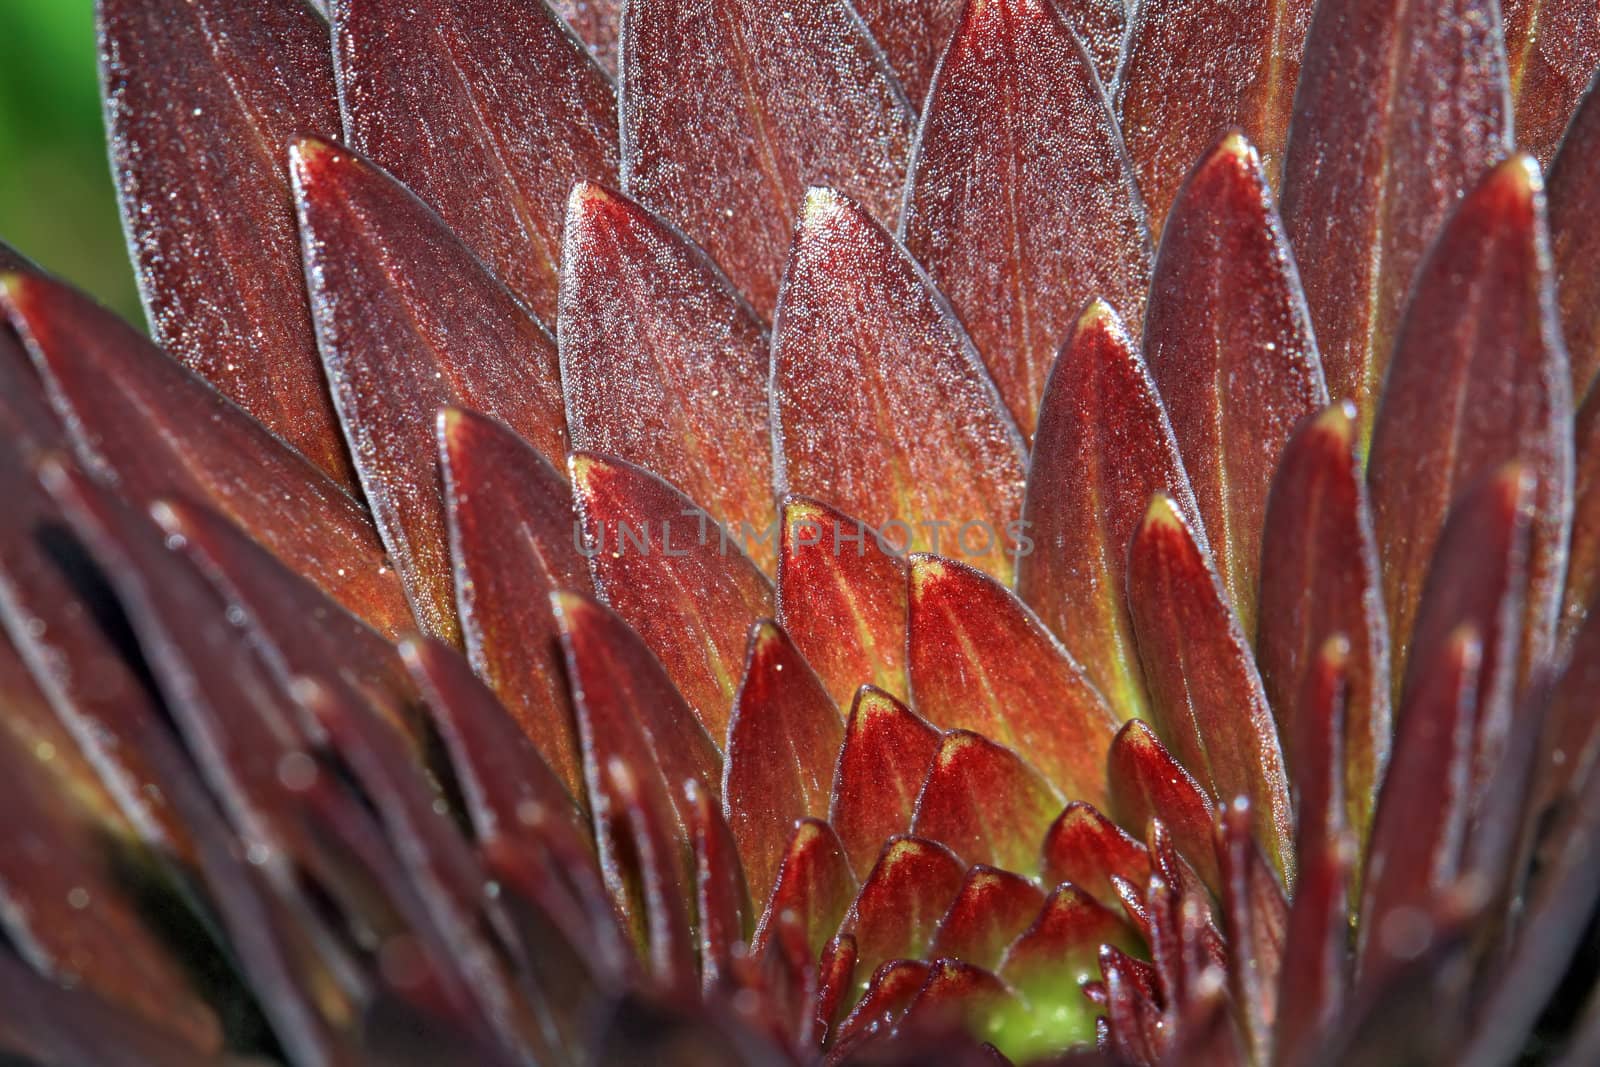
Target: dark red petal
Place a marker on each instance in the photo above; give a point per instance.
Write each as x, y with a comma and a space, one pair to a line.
956, 996
1398, 113
1311, 985
490, 112
1204, 689
449, 882
1319, 578
913, 35
1086, 848
201, 101
886, 755
1312, 993
1419, 829
983, 802
626, 703
1230, 348
730, 110
638, 738
1559, 901
97, 700
408, 322
1583, 551
842, 597
1174, 102
815, 883
889, 992
722, 899
29, 425
1021, 202
47, 1023
65, 906
1103, 437
228, 709
1132, 1008
663, 364
1147, 783
993, 907
1255, 916
981, 661
510, 792
1552, 50
1102, 26
1479, 379
300, 632
514, 539
1061, 949
901, 902
675, 575
1575, 241
596, 23
834, 973
643, 857
531, 835
1479, 578
880, 403
140, 419
783, 741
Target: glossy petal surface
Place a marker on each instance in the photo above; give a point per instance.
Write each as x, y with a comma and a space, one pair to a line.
637, 737
731, 110
1480, 578
879, 398
1575, 241
981, 661
842, 596
596, 23
626, 704
901, 901
1552, 50
1086, 848
886, 755
490, 112
1204, 688
1195, 71
1583, 552
663, 364
814, 882
913, 35
1400, 111
409, 321
1104, 447
202, 102
1319, 578
985, 803
1479, 379
678, 579
1021, 202
157, 430
1420, 827
1230, 348
993, 907
514, 538
783, 740
1147, 783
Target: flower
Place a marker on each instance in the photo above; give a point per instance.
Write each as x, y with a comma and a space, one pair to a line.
891, 533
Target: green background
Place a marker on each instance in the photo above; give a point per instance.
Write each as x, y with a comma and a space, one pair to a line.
56, 201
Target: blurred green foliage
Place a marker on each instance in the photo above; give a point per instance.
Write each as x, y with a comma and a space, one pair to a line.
56, 200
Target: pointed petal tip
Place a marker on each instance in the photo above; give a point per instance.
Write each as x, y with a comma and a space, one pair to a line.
1098, 314
588, 200
1162, 515
822, 203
